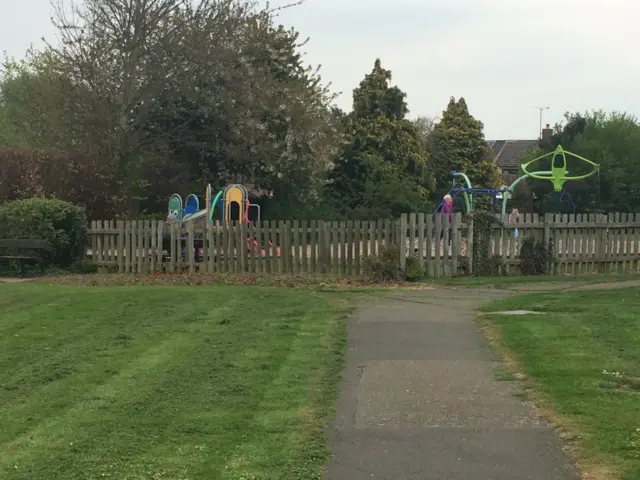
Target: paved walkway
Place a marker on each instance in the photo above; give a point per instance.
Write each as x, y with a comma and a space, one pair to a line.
420, 401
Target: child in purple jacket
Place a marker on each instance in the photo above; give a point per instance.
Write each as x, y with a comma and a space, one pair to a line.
447, 208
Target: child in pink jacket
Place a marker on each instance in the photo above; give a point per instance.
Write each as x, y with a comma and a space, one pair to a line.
447, 208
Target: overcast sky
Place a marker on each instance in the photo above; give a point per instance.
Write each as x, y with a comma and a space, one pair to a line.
506, 57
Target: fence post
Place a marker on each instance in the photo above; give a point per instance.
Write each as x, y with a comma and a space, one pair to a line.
190, 248
120, 246
326, 247
94, 240
546, 236
402, 239
470, 244
455, 244
602, 243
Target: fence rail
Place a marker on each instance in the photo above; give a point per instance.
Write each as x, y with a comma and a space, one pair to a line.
582, 244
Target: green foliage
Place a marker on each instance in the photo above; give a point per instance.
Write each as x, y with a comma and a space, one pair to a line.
385, 266
61, 223
66, 175
199, 105
83, 266
484, 263
610, 139
384, 169
414, 269
457, 143
536, 258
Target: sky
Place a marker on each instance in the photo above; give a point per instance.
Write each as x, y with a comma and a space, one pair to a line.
507, 58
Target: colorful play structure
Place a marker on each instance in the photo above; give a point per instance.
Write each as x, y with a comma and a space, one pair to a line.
224, 201
232, 204
557, 175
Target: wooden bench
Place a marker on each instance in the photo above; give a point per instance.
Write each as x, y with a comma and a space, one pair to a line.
23, 245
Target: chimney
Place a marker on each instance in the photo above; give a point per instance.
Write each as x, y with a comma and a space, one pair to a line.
547, 132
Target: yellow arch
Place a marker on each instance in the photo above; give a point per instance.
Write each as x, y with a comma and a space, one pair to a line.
234, 193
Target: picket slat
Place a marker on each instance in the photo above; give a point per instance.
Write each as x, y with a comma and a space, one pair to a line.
438, 243
357, 244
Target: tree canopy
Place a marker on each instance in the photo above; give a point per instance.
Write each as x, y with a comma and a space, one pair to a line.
457, 143
384, 169
171, 95
609, 139
143, 98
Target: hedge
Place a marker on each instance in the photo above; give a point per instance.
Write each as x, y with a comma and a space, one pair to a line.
61, 223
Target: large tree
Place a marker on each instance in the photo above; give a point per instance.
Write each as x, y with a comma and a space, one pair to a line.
609, 139
172, 94
613, 141
457, 143
385, 169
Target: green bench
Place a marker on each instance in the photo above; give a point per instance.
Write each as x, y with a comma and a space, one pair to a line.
25, 250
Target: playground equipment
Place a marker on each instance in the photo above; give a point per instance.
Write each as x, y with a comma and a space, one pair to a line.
237, 194
233, 203
557, 175
223, 201
461, 186
256, 248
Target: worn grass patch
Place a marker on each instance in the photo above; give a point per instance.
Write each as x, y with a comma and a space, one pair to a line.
312, 281
167, 383
553, 281
582, 361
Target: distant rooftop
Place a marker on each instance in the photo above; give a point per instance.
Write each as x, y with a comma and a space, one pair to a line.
508, 153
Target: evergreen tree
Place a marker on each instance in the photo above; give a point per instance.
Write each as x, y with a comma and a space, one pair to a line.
458, 143
384, 169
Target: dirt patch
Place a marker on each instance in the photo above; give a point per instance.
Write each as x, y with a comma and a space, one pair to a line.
605, 286
574, 286
543, 287
15, 280
514, 312
270, 280
590, 465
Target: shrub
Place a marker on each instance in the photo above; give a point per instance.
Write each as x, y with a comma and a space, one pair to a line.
414, 269
385, 266
484, 263
83, 266
535, 257
61, 223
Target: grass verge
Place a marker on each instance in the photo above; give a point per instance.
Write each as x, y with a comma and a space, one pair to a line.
581, 361
167, 383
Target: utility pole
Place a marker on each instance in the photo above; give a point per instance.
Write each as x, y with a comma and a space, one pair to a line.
541, 109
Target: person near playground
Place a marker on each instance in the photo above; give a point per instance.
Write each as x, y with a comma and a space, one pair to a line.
447, 208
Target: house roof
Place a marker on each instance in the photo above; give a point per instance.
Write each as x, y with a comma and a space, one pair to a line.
508, 153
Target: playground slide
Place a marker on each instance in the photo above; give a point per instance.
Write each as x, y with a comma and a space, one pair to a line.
202, 213
194, 216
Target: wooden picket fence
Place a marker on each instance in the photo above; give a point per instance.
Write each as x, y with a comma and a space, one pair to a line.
582, 243
261, 247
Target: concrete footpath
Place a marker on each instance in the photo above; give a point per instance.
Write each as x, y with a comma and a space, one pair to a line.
420, 400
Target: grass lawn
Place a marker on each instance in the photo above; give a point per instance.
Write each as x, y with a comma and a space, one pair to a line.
167, 383
583, 359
